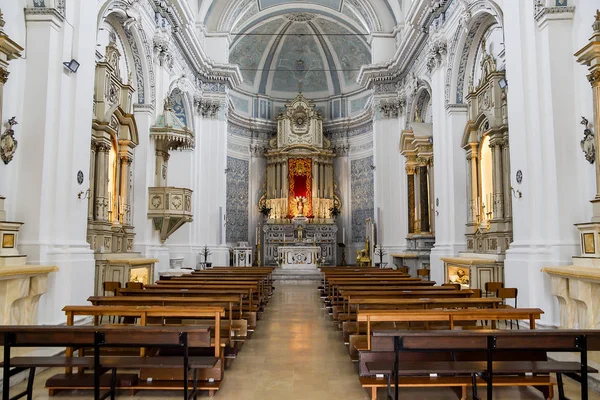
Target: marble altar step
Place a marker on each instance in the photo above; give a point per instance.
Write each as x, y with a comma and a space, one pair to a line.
281, 274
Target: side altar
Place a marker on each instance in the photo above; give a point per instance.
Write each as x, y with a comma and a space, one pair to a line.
300, 196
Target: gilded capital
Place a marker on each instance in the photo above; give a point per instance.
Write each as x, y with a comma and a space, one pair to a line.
594, 78
3, 75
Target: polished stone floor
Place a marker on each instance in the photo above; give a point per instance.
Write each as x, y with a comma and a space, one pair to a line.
297, 354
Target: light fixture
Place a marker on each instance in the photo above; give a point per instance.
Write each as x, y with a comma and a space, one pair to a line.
503, 83
72, 65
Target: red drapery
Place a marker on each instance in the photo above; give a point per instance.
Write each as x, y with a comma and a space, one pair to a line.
300, 180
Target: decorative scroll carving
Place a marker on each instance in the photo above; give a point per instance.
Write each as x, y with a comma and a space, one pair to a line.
208, 108
391, 108
437, 52
8, 143
162, 51
588, 142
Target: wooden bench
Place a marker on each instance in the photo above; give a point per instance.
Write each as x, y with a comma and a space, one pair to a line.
143, 313
249, 309
513, 372
449, 316
351, 326
96, 337
238, 327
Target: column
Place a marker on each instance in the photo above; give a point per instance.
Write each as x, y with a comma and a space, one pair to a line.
431, 196
286, 187
472, 175
410, 180
322, 178
417, 179
92, 189
124, 193
315, 173
506, 179
424, 185
101, 197
497, 177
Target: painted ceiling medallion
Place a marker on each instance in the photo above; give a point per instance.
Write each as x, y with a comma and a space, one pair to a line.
300, 17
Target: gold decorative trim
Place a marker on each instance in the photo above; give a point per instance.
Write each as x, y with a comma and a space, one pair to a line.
20, 270
574, 272
134, 261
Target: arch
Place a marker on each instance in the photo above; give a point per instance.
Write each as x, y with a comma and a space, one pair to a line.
420, 107
229, 15
483, 14
138, 52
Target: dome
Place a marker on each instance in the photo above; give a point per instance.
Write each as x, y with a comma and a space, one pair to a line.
318, 53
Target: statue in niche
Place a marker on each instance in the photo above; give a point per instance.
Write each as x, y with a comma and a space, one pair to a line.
300, 206
588, 142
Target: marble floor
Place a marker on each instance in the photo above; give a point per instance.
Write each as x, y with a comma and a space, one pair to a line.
297, 354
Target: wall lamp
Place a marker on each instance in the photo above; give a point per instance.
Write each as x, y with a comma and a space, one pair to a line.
517, 194
503, 83
84, 195
72, 65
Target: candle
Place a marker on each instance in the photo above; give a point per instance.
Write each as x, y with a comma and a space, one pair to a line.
256, 238
344, 235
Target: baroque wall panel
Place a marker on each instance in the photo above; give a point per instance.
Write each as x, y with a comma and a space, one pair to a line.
236, 228
363, 188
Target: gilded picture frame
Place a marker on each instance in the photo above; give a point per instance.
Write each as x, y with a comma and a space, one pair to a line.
8, 241
589, 244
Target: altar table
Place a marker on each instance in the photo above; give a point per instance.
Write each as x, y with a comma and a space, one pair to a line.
299, 257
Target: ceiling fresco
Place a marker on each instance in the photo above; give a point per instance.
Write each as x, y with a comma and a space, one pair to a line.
307, 50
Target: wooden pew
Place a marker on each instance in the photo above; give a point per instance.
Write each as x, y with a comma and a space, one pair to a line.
102, 337
249, 310
449, 316
491, 345
251, 289
239, 326
143, 313
351, 326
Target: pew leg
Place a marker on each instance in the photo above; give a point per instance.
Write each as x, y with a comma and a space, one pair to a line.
474, 387
561, 389
30, 383
374, 393
463, 393
113, 384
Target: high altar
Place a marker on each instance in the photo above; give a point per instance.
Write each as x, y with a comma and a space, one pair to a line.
300, 189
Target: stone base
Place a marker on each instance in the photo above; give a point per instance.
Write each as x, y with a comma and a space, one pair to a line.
280, 274
11, 261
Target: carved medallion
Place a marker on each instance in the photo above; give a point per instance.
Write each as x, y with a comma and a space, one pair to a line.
8, 143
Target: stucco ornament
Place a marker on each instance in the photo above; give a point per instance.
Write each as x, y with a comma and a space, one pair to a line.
8, 143
588, 142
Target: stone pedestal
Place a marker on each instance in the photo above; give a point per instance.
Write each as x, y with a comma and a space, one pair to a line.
242, 257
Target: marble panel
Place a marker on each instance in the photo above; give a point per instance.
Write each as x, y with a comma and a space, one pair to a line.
362, 185
236, 228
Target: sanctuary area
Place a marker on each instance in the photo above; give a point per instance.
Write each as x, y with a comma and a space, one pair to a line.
309, 199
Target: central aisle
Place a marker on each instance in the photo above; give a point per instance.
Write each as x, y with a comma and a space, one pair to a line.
295, 353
